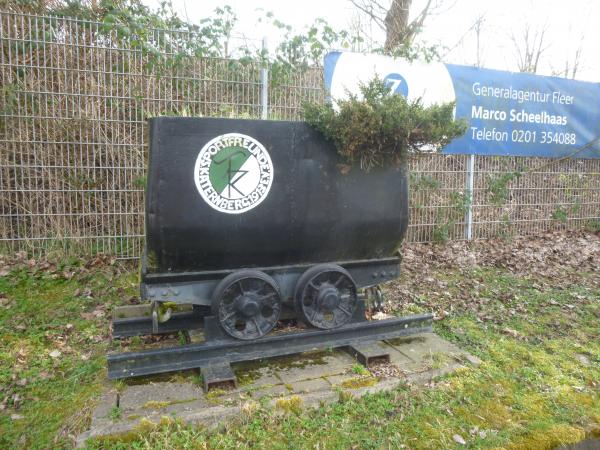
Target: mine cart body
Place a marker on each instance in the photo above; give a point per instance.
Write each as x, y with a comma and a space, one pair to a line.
316, 210
227, 195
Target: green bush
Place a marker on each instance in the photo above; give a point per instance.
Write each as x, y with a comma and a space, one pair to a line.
379, 128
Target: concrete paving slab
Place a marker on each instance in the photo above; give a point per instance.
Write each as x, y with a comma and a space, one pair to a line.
427, 351
314, 365
423, 344
255, 374
182, 407
234, 398
270, 391
158, 395
316, 384
400, 359
310, 380
108, 401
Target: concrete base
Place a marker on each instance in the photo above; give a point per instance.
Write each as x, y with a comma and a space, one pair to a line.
307, 380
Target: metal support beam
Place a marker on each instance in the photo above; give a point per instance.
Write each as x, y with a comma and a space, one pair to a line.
469, 193
217, 376
220, 350
369, 354
264, 82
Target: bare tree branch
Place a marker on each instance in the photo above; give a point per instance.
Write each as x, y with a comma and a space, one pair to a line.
572, 66
478, 27
529, 48
374, 10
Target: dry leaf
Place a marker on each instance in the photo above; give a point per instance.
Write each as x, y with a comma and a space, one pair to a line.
459, 439
16, 401
511, 332
380, 315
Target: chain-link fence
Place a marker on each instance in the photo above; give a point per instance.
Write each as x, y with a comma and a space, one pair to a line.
509, 196
74, 101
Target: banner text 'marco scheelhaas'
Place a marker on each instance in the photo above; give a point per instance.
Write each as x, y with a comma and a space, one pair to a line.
507, 113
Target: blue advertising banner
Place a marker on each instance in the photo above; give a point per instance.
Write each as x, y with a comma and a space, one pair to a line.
508, 114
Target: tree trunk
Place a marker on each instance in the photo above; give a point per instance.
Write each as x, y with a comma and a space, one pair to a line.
396, 24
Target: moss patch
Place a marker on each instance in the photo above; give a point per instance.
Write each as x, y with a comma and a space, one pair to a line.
250, 371
152, 404
290, 404
214, 396
358, 382
549, 438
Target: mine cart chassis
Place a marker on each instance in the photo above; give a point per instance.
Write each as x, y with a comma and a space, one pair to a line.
197, 287
236, 310
248, 303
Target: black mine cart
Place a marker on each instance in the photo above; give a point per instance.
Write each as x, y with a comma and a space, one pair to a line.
250, 222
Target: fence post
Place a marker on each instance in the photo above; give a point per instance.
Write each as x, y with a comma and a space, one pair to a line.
264, 82
469, 214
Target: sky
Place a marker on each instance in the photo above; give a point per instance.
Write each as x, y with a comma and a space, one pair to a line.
570, 25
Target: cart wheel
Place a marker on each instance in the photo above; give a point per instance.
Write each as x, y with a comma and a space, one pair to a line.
325, 296
247, 304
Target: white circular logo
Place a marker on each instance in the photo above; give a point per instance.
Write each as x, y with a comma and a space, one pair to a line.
233, 173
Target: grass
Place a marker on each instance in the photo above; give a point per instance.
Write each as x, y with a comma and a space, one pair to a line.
537, 387
115, 413
53, 340
359, 369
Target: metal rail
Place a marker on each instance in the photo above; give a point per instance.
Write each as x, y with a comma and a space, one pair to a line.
221, 350
137, 326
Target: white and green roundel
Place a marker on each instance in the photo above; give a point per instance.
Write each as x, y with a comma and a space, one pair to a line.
233, 173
